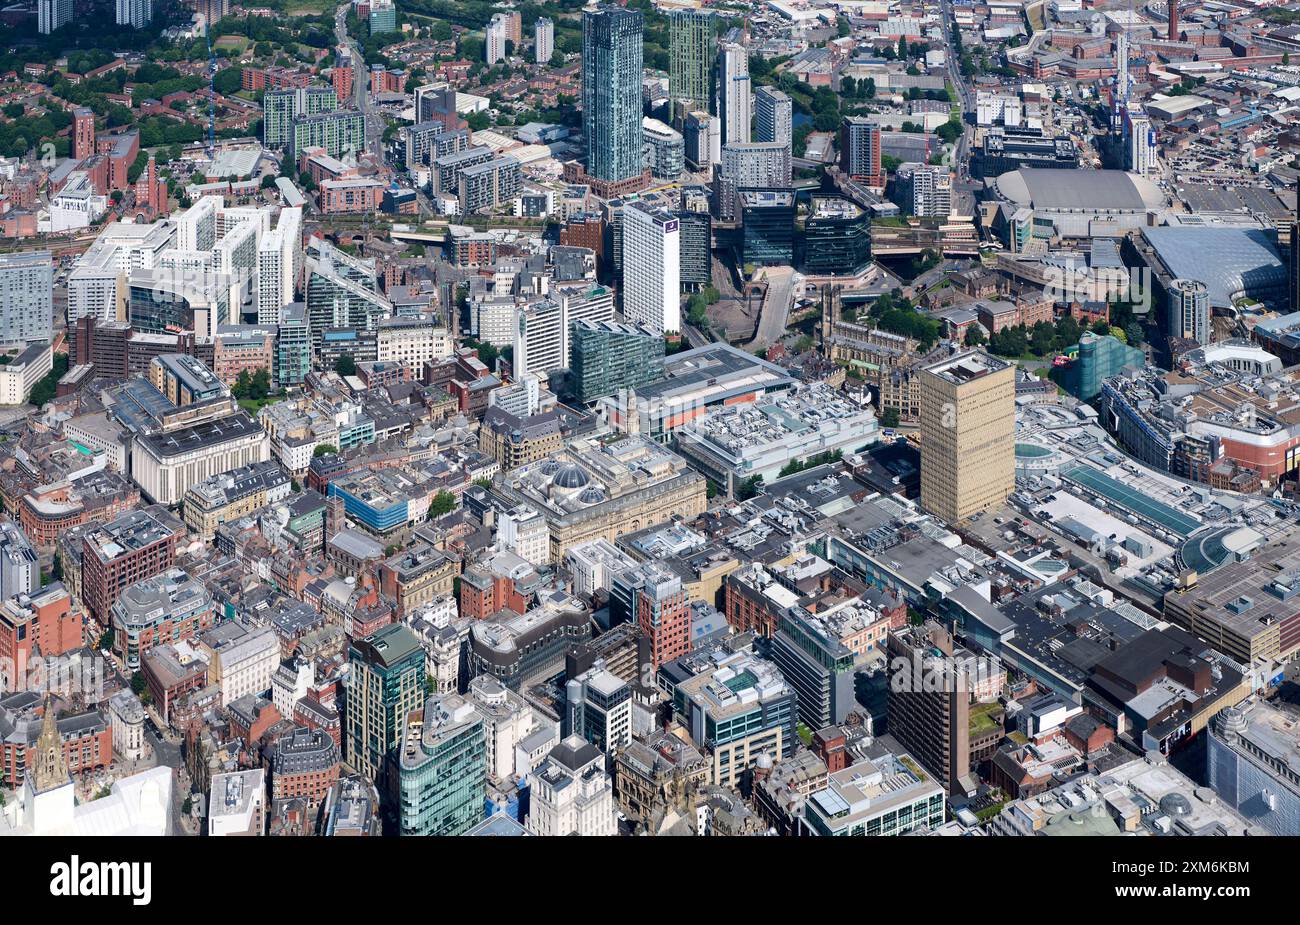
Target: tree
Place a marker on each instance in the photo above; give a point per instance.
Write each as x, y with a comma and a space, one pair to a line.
902, 48
975, 336
324, 449
260, 387
345, 365
444, 502
1068, 332
749, 488
889, 417
228, 80
1042, 338
950, 131
138, 683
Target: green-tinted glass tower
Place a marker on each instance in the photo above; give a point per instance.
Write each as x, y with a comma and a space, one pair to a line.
693, 47
437, 779
606, 356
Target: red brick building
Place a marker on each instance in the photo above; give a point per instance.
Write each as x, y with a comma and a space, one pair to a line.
351, 194
831, 746
663, 611
304, 765
273, 78
746, 607
121, 151
150, 193
252, 717
318, 711
342, 77
171, 676
87, 738
83, 133
131, 547
43, 624
48, 511
482, 596
585, 230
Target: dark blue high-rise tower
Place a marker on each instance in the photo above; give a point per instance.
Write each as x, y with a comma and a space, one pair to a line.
611, 92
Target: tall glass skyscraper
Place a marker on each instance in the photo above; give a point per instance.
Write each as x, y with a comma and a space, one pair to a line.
692, 50
437, 778
611, 92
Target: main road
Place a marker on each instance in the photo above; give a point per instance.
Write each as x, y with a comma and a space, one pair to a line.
961, 153
361, 86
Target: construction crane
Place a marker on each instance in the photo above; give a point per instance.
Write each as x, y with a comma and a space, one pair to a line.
212, 96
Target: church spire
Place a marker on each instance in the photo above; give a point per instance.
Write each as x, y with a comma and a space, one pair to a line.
51, 769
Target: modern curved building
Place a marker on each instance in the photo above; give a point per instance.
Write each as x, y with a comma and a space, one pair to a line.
523, 648
1233, 262
1082, 203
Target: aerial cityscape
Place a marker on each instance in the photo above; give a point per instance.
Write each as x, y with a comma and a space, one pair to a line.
652, 417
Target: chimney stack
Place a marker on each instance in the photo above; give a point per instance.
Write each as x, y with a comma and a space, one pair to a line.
1173, 20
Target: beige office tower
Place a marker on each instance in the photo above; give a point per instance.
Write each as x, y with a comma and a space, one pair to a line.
968, 422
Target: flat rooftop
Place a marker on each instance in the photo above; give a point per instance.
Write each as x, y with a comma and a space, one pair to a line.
965, 367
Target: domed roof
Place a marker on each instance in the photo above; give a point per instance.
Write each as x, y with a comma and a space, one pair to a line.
1175, 804
570, 476
550, 467
591, 495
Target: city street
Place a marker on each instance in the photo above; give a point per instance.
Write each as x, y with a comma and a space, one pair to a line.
361, 86
169, 754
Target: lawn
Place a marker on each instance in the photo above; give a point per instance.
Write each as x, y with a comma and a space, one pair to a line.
254, 405
240, 42
907, 762
982, 717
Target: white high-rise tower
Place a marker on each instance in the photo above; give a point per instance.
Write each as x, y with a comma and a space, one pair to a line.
652, 268
735, 103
